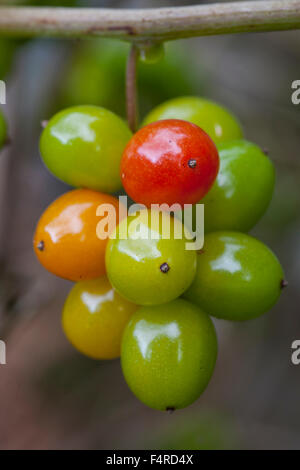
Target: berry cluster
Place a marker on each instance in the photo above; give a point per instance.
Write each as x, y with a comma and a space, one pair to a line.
139, 293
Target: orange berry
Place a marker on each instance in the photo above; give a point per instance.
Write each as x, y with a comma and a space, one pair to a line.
66, 241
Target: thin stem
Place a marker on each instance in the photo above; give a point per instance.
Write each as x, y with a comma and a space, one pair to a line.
156, 24
131, 88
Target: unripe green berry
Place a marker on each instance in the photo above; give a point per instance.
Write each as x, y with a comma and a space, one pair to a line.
214, 119
243, 188
146, 264
238, 277
83, 146
168, 354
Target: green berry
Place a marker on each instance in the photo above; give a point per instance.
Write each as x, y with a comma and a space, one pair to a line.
238, 277
144, 264
3, 130
243, 188
168, 354
83, 146
214, 119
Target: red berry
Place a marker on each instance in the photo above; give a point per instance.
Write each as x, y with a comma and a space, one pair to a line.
170, 161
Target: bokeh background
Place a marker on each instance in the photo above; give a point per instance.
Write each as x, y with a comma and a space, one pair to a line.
51, 397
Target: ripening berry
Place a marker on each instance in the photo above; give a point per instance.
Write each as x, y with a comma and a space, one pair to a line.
169, 162
66, 240
94, 318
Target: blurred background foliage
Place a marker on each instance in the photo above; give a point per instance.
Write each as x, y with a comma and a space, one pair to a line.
100, 65
51, 397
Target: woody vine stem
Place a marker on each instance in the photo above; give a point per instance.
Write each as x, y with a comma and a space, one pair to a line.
154, 24
146, 26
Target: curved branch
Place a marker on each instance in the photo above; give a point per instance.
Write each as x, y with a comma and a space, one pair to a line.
151, 24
